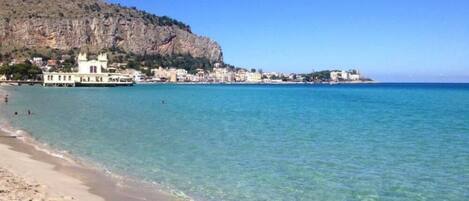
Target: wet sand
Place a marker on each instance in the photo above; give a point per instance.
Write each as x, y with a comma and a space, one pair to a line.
61, 179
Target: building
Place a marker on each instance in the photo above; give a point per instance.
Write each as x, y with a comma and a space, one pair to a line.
38, 61
351, 75
200, 76
160, 74
354, 75
182, 75
52, 63
241, 75
222, 75
254, 77
90, 73
92, 66
173, 75
137, 76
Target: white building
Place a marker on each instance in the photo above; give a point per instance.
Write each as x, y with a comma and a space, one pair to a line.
351, 75
241, 75
255, 77
92, 66
38, 61
338, 76
354, 77
90, 73
137, 76
182, 75
161, 74
222, 75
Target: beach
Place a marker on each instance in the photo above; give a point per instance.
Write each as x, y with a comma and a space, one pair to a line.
241, 142
25, 178
31, 171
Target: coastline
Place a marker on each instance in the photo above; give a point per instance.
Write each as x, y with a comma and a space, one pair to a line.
32, 171
257, 83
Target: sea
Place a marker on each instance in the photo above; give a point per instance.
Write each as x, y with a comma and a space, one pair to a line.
387, 141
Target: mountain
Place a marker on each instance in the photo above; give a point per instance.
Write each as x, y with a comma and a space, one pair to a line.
94, 26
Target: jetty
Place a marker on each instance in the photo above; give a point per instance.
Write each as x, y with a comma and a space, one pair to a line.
21, 82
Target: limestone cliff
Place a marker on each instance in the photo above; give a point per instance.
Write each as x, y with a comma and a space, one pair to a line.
96, 26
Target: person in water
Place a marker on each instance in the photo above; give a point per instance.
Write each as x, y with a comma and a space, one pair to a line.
29, 112
6, 99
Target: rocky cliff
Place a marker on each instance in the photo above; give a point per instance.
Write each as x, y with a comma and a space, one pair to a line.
95, 25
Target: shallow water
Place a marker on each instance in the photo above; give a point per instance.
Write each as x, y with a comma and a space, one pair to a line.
265, 142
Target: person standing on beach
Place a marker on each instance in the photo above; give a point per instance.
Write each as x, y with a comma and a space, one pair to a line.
6, 99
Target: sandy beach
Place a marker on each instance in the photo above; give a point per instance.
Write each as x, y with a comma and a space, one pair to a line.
24, 178
30, 173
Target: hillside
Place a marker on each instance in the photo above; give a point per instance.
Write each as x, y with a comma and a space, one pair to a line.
94, 26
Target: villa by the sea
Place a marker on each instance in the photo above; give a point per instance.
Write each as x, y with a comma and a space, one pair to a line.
90, 73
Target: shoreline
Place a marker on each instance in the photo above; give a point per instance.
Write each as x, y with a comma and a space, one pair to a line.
256, 83
46, 174
17, 83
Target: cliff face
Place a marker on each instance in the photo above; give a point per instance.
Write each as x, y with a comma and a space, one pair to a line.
97, 26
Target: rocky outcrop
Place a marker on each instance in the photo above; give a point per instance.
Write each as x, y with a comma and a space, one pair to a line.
109, 27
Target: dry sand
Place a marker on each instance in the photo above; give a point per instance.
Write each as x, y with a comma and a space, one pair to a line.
23, 178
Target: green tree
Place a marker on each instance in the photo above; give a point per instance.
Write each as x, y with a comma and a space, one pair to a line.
21, 71
133, 64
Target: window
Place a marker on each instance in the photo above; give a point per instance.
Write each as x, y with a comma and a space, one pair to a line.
93, 69
69, 78
60, 77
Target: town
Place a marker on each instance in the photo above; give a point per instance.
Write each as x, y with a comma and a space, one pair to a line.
97, 71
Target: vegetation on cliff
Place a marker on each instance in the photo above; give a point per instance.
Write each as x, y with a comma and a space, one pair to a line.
23, 71
80, 8
320, 76
93, 26
135, 61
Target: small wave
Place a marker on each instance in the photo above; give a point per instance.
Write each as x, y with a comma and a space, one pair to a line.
7, 129
122, 181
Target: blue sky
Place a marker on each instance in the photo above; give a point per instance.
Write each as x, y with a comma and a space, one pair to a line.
393, 40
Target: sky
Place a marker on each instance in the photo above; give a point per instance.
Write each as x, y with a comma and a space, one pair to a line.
387, 40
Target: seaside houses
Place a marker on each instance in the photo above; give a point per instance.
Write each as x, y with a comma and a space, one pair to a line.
168, 74
160, 74
37, 61
90, 73
136, 75
254, 77
351, 75
221, 75
241, 75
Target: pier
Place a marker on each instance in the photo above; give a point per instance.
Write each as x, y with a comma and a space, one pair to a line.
21, 82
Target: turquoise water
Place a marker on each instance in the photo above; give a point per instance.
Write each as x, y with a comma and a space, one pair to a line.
266, 142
